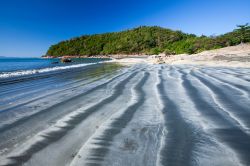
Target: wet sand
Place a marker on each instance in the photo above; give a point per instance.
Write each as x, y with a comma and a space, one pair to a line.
139, 115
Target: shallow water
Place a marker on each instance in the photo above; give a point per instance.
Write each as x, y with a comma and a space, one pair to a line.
105, 114
13, 67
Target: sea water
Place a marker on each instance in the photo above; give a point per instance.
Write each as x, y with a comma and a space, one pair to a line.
12, 67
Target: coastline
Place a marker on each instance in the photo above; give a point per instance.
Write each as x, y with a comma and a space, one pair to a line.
233, 56
125, 83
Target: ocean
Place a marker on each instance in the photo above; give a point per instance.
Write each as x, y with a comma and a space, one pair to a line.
12, 67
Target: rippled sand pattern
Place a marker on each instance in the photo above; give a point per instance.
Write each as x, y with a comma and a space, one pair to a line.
143, 115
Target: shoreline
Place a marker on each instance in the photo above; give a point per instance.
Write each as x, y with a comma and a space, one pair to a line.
232, 56
115, 56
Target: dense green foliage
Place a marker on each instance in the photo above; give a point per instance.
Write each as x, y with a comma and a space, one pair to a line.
244, 32
147, 40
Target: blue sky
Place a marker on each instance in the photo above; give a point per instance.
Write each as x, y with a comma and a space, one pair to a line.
29, 27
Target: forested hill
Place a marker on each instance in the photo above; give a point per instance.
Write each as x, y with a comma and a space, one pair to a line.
145, 40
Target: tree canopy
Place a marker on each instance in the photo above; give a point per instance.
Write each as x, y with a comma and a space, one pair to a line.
244, 32
147, 40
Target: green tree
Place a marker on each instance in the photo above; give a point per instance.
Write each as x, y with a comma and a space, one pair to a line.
147, 40
243, 31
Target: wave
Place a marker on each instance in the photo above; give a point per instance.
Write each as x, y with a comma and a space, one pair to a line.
44, 70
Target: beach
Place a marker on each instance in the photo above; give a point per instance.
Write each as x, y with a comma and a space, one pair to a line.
126, 112
125, 83
233, 56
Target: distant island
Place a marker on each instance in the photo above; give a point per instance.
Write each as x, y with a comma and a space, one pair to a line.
146, 40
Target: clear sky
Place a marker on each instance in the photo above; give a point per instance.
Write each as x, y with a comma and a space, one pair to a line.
29, 27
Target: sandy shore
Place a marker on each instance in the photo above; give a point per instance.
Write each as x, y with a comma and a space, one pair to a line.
138, 115
149, 111
234, 56
130, 61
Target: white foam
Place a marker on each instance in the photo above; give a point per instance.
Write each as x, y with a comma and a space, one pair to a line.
44, 70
